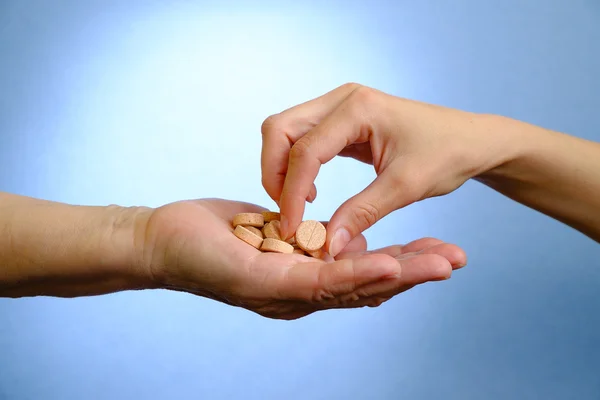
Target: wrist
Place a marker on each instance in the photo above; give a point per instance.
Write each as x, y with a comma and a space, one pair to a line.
125, 241
508, 143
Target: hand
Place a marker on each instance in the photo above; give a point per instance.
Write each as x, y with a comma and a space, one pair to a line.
189, 246
418, 151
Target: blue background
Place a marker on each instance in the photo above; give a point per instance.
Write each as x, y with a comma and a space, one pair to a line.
133, 102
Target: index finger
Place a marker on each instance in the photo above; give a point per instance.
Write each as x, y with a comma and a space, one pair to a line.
281, 131
344, 126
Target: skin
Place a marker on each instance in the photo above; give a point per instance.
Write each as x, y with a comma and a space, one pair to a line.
55, 249
419, 151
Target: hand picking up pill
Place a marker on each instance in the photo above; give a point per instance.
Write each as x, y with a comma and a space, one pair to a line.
262, 231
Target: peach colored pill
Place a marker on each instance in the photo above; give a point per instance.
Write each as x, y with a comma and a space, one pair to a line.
316, 254
276, 246
271, 216
249, 219
254, 230
271, 230
247, 236
310, 235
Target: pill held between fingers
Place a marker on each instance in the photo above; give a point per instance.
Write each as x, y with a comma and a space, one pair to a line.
310, 235
247, 236
276, 246
249, 219
269, 216
271, 230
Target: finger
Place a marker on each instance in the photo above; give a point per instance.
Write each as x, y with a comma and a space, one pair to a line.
416, 270
399, 249
313, 194
344, 126
274, 158
316, 282
280, 131
363, 210
452, 253
318, 108
420, 244
358, 245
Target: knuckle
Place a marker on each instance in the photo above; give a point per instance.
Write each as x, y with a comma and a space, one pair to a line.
267, 183
365, 214
270, 124
350, 86
300, 149
362, 96
361, 103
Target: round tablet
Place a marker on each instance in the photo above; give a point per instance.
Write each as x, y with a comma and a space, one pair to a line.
271, 230
276, 246
254, 230
316, 254
247, 236
271, 216
249, 219
310, 235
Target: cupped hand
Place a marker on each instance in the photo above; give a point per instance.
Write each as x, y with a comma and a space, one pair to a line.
189, 246
418, 151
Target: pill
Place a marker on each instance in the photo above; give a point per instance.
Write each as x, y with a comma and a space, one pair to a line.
247, 236
249, 219
271, 230
269, 216
276, 246
310, 235
254, 230
316, 253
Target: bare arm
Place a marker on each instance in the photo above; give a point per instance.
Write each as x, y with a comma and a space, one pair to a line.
554, 173
55, 249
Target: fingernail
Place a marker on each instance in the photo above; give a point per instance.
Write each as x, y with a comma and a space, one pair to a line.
340, 239
283, 226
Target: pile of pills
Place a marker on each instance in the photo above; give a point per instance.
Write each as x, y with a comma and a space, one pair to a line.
262, 232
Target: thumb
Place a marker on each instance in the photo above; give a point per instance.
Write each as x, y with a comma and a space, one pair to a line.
387, 193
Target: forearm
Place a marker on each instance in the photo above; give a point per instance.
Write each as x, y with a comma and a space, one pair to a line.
554, 173
55, 249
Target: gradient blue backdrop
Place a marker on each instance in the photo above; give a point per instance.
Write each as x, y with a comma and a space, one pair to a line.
133, 102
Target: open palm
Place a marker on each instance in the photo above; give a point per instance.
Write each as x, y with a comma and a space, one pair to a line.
191, 247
